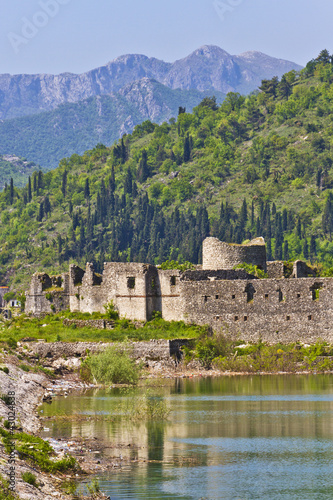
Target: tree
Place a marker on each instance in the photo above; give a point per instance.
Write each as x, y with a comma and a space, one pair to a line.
284, 88
64, 182
269, 87
306, 249
128, 186
285, 250
87, 189
29, 190
313, 248
324, 57
187, 149
11, 191
143, 170
209, 102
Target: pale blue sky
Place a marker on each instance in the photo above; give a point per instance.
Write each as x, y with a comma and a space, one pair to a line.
78, 35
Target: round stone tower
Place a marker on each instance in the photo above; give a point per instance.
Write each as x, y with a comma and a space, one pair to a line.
217, 254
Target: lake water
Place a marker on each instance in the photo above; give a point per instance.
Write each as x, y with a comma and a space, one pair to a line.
242, 438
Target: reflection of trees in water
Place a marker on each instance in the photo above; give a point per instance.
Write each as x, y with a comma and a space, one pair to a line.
156, 433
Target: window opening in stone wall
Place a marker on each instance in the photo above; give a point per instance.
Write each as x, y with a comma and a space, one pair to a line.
250, 291
245, 318
172, 280
280, 295
266, 296
298, 295
206, 298
310, 317
315, 289
216, 297
131, 282
233, 297
288, 318
236, 318
217, 317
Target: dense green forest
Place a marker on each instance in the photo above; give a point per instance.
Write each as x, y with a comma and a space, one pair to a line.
260, 165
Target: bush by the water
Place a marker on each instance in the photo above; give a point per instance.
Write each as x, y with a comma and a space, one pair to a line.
260, 357
112, 366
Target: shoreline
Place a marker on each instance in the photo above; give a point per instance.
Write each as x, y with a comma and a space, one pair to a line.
31, 389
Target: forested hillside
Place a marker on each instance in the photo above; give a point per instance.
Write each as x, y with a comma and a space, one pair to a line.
254, 166
46, 138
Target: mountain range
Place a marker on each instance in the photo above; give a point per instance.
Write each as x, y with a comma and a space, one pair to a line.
48, 117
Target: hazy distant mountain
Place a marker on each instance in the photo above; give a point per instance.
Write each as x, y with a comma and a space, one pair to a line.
71, 128
207, 69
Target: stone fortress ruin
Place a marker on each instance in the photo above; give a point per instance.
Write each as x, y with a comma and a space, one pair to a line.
285, 307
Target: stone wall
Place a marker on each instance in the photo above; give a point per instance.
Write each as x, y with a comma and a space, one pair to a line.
151, 350
276, 310
217, 254
100, 324
47, 294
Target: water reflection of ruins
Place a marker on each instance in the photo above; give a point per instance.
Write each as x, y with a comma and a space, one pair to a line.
210, 419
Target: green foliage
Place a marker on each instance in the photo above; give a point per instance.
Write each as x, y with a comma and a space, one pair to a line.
5, 492
209, 348
292, 358
144, 406
251, 269
254, 166
4, 369
37, 451
9, 296
110, 311
30, 478
173, 264
93, 487
113, 365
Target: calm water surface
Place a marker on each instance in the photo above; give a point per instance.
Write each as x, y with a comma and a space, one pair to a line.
260, 437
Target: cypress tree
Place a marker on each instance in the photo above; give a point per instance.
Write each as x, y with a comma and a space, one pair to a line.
187, 149
47, 205
64, 183
87, 189
40, 212
143, 170
112, 182
128, 187
306, 249
243, 215
252, 214
11, 191
313, 247
299, 228
284, 219
29, 190
285, 250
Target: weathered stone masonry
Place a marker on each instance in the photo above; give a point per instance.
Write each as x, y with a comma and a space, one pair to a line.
276, 309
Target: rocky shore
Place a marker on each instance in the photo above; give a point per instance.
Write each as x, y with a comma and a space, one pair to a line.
30, 389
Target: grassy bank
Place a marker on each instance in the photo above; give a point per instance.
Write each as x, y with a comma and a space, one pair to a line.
220, 353
52, 329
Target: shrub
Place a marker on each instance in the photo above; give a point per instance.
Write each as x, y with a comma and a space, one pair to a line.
209, 348
145, 406
30, 478
24, 367
5, 369
93, 487
110, 311
113, 365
